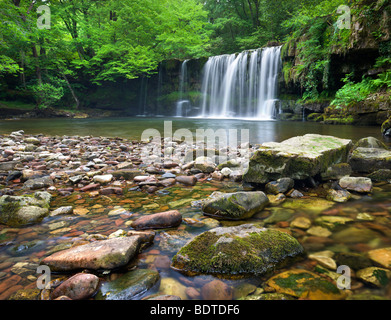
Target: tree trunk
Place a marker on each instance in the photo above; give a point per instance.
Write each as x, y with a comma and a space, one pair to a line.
71, 90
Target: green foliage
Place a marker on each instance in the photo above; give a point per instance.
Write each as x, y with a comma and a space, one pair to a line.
352, 92
46, 94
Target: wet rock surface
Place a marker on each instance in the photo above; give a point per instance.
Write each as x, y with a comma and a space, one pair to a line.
83, 203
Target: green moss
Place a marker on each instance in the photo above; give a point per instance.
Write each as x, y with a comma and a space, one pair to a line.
8, 210
381, 276
230, 254
303, 282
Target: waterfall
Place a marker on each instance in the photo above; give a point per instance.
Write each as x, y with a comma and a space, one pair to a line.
183, 103
142, 108
241, 86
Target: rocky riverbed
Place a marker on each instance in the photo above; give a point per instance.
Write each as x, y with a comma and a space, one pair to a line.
115, 219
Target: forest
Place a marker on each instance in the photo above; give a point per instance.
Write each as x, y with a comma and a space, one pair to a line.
90, 43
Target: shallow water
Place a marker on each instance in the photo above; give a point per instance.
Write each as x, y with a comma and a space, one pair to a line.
132, 128
22, 248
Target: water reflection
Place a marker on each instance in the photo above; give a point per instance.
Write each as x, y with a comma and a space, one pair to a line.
132, 128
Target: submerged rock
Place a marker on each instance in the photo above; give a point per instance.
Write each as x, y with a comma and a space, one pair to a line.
378, 277
297, 158
338, 195
305, 285
78, 287
239, 205
245, 249
216, 290
129, 286
381, 256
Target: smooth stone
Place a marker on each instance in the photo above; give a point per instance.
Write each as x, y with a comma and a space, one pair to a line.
331, 222
38, 183
301, 223
325, 259
78, 287
172, 287
339, 196
381, 256
187, 180
103, 178
370, 142
235, 206
216, 290
168, 219
129, 286
378, 277
319, 232
62, 211
105, 254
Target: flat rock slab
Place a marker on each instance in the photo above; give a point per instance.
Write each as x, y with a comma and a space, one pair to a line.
297, 158
242, 250
105, 254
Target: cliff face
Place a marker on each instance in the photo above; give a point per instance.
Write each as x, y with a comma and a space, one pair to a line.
353, 51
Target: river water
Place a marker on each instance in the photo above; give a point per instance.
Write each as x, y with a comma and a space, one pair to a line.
132, 128
21, 249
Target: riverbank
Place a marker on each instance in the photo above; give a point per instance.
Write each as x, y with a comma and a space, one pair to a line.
115, 193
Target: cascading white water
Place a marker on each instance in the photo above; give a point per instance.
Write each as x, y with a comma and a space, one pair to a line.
183, 102
241, 86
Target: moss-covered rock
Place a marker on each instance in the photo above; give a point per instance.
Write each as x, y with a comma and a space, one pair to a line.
370, 142
241, 250
297, 158
380, 175
17, 211
235, 206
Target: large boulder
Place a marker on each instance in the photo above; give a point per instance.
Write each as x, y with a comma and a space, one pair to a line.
105, 254
18, 211
241, 250
235, 206
297, 158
